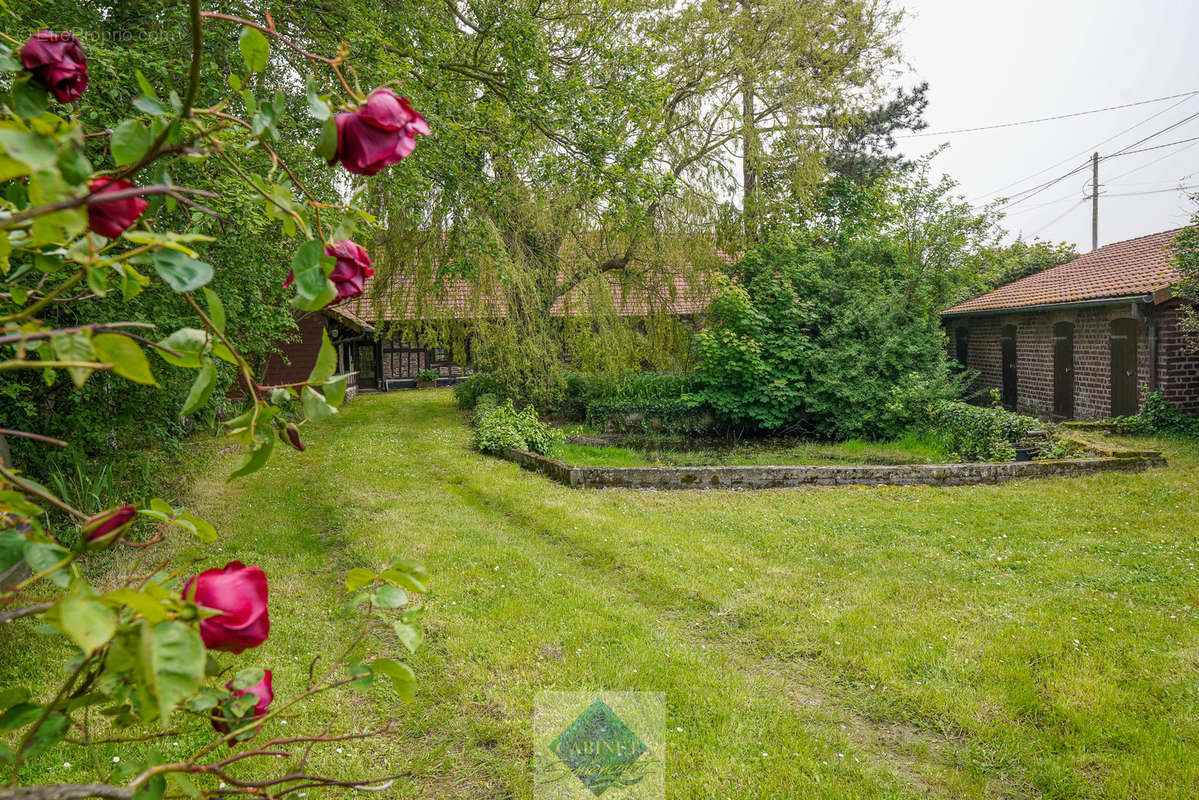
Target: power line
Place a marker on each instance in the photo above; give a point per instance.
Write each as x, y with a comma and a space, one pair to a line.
1157, 160
1127, 150
1058, 218
1090, 149
1155, 191
1155, 147
1045, 119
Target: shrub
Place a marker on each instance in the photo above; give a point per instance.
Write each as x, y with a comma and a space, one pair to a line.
654, 402
805, 337
500, 426
1158, 416
979, 434
427, 375
468, 392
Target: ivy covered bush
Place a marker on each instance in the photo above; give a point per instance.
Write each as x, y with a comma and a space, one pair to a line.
978, 433
1158, 416
500, 425
468, 392
656, 402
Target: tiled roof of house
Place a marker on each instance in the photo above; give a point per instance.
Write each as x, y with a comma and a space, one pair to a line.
458, 299
1134, 267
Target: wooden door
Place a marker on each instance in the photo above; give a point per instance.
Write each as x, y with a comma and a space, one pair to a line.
962, 347
367, 362
1007, 339
1123, 340
1063, 370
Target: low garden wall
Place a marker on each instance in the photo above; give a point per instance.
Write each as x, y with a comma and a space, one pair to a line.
775, 477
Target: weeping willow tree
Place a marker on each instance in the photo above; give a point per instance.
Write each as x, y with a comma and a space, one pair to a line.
585, 152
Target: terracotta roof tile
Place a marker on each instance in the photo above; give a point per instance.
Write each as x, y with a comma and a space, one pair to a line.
1134, 267
457, 300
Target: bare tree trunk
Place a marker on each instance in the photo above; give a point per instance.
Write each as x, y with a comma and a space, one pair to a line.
750, 144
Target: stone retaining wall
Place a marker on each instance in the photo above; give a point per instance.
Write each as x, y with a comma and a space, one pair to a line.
774, 477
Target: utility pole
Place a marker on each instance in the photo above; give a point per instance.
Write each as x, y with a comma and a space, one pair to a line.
1095, 201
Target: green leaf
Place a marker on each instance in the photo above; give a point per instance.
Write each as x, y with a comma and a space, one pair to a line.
311, 281
317, 107
43, 556
176, 662
12, 546
182, 272
126, 357
358, 577
48, 734
201, 528
216, 309
326, 360
31, 151
316, 407
326, 146
144, 84
403, 679
88, 622
189, 343
29, 99
410, 635
335, 391
388, 596
19, 716
150, 106
140, 602
201, 388
254, 49
256, 458
10, 697
184, 783
74, 347
362, 674
250, 676
130, 141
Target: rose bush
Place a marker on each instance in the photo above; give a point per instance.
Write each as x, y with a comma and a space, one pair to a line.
146, 651
57, 63
239, 592
379, 134
110, 218
103, 530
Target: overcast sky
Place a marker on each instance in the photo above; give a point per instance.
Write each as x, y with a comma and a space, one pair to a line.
989, 63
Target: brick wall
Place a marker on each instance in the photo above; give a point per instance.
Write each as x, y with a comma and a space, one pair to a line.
1177, 368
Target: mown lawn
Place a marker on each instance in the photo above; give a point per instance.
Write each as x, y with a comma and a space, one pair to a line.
1037, 639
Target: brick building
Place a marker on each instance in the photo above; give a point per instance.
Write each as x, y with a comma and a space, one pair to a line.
1083, 340
361, 331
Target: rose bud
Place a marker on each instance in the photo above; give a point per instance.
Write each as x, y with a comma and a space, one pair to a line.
57, 63
291, 435
238, 591
262, 690
110, 218
104, 529
350, 273
379, 134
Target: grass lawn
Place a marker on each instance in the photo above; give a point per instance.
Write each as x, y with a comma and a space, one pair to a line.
912, 449
1035, 639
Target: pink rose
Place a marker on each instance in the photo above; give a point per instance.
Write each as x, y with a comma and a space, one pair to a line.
261, 690
104, 529
349, 274
57, 62
238, 591
111, 217
379, 134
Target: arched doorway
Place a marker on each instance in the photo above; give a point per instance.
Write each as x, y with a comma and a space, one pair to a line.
1063, 370
1007, 340
1123, 340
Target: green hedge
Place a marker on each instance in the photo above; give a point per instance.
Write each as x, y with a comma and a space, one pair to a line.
979, 434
